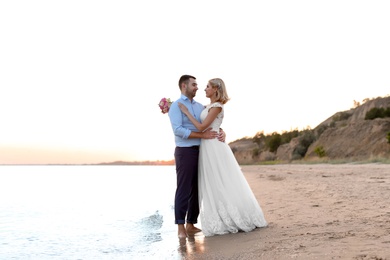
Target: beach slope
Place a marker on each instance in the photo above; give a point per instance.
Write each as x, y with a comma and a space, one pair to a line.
319, 211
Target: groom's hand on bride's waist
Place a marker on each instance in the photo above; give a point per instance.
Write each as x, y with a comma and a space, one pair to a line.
221, 135
209, 134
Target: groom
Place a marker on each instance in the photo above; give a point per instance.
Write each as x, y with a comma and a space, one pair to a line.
187, 140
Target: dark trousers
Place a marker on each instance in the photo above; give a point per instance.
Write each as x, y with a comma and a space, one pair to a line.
186, 197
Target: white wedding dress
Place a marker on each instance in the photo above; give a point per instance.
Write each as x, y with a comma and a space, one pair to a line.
227, 203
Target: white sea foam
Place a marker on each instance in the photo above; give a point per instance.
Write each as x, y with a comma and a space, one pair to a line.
87, 212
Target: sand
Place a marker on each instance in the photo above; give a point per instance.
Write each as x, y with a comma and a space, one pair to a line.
319, 211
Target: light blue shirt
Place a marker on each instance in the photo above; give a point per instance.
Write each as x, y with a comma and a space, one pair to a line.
181, 125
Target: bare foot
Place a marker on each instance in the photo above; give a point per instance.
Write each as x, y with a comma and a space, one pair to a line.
191, 229
181, 233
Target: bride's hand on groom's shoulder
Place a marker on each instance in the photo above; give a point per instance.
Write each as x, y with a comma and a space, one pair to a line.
182, 107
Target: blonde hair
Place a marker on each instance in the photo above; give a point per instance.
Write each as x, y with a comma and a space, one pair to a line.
222, 95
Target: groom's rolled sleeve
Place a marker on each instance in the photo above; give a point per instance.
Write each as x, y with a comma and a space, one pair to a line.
182, 126
177, 122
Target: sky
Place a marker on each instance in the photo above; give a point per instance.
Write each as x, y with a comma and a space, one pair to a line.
80, 81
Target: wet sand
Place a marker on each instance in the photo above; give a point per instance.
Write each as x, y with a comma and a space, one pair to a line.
319, 211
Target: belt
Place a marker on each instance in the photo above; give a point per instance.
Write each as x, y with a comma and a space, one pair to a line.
195, 147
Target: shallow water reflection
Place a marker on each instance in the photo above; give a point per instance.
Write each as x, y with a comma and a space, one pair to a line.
190, 246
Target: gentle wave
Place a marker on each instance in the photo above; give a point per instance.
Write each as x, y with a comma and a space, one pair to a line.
85, 212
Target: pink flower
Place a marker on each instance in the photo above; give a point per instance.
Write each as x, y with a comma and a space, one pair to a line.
164, 105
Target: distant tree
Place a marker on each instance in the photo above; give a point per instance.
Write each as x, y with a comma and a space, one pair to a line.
319, 150
386, 113
273, 142
375, 112
341, 116
259, 137
287, 136
306, 139
356, 104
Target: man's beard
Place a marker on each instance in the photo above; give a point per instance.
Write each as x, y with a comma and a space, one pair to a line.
191, 94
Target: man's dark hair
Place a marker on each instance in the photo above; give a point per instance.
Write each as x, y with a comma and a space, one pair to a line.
185, 79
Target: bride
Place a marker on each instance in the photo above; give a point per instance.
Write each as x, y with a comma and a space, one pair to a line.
227, 203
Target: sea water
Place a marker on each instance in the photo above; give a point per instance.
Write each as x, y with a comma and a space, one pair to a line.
87, 212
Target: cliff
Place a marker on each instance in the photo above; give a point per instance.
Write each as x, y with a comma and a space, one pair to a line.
346, 135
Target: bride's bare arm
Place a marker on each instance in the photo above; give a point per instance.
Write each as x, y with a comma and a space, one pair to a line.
213, 113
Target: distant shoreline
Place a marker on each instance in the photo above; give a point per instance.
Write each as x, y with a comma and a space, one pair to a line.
119, 163
172, 162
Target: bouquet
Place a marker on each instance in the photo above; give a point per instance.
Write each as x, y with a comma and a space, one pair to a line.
164, 105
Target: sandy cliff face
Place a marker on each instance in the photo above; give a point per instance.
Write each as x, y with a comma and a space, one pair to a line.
359, 113
244, 150
355, 137
360, 139
345, 135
